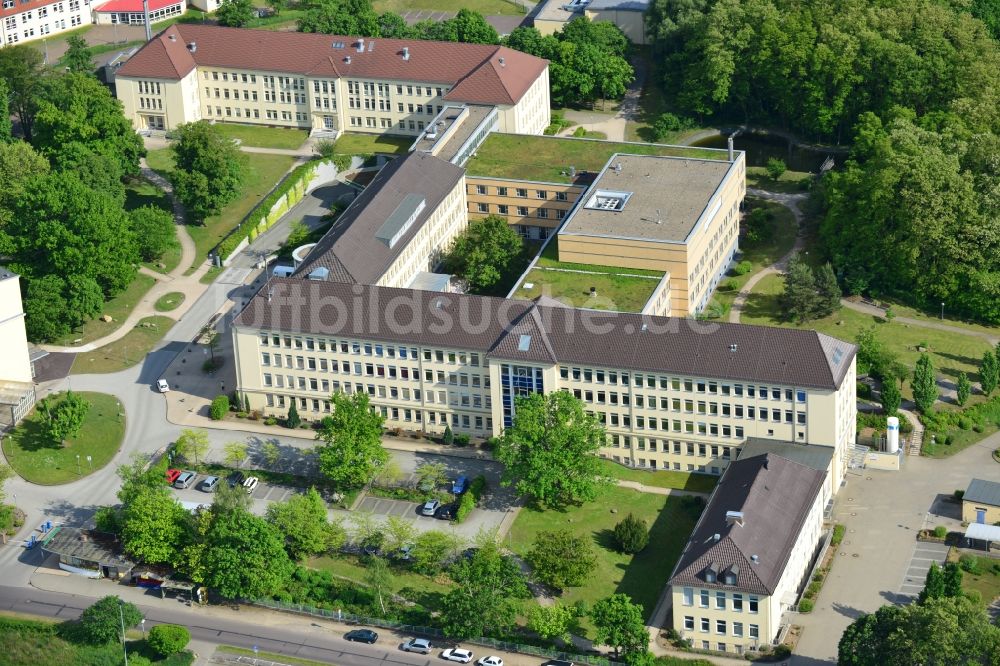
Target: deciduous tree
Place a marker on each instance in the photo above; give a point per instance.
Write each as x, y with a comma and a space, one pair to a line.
549, 452
302, 519
6, 127
551, 622
244, 556
484, 253
431, 550
235, 13
78, 58
484, 602
102, 621
154, 231
952, 580
890, 396
168, 639
619, 624
963, 389
378, 578
210, 169
934, 585
192, 444
561, 559
352, 452
399, 532
65, 416
235, 453
775, 168
989, 373
22, 69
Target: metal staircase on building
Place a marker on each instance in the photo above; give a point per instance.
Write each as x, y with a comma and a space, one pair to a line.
857, 457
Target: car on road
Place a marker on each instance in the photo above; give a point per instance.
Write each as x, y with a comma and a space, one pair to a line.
172, 475
460, 655
430, 507
421, 645
210, 484
361, 636
162, 386
491, 660
236, 479
446, 512
458, 485
251, 484
185, 479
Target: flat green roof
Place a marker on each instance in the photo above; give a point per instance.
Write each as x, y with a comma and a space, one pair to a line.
548, 159
622, 293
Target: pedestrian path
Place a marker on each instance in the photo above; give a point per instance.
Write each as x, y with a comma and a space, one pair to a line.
876, 311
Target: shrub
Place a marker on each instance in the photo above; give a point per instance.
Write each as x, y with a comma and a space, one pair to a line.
166, 639
838, 535
864, 390
783, 651
631, 534
102, 621
970, 564
668, 123
742, 268
940, 531
326, 148
818, 576
978, 427
219, 408
469, 499
805, 606
462, 440
292, 420
270, 420
959, 494
449, 436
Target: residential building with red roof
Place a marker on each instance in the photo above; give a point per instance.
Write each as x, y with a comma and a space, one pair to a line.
325, 83
130, 12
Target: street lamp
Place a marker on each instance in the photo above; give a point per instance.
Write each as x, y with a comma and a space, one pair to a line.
121, 616
142, 622
942, 310
79, 472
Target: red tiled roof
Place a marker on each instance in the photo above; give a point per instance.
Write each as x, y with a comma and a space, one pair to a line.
23, 7
473, 69
134, 5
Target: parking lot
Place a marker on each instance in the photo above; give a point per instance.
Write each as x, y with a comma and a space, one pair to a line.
262, 495
916, 571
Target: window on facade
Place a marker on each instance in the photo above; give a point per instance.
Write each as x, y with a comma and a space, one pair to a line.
704, 598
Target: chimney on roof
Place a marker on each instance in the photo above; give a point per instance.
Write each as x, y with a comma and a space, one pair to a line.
361, 44
716, 536
172, 37
193, 47
734, 518
503, 63
733, 347
729, 143
406, 53
755, 559
347, 60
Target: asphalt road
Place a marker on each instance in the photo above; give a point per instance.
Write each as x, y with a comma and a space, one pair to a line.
312, 642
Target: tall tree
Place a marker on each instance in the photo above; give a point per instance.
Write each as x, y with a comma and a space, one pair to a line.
154, 231
6, 127
378, 577
22, 69
78, 109
561, 559
302, 519
800, 299
989, 373
934, 584
341, 17
192, 444
890, 396
484, 253
102, 621
551, 622
829, 291
65, 416
352, 452
485, 600
549, 452
952, 580
19, 164
235, 13
925, 391
619, 623
471, 27
432, 549
78, 57
244, 556
399, 532
235, 453
154, 525
209, 171
963, 389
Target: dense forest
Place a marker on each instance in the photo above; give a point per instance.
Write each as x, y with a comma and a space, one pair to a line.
912, 85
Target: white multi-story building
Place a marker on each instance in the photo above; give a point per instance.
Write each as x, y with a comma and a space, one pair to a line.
25, 20
17, 390
325, 83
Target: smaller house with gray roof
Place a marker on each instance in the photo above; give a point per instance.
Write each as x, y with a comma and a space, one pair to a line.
749, 555
981, 502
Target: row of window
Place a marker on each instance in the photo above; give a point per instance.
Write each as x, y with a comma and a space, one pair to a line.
56, 8
44, 29
375, 370
151, 103
378, 350
522, 211
521, 192
652, 464
723, 600
688, 406
722, 628
455, 399
397, 414
677, 384
699, 449
137, 18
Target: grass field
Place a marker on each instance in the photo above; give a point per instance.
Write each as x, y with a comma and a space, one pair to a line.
986, 582
778, 238
118, 308
408, 584
40, 460
951, 353
548, 159
169, 301
641, 576
263, 173
698, 483
614, 292
366, 144
124, 352
788, 183
264, 137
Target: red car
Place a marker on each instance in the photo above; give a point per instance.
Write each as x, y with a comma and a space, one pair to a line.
172, 475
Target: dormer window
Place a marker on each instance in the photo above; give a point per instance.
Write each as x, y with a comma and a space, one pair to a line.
732, 575
712, 573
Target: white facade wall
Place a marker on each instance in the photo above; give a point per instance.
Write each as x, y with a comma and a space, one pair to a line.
36, 22
15, 365
532, 113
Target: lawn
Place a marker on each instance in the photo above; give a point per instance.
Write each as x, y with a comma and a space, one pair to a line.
263, 173
169, 301
140, 192
614, 292
40, 460
29, 641
778, 237
356, 143
788, 183
986, 582
118, 308
550, 259
951, 353
264, 137
124, 352
548, 159
210, 275
484, 7
641, 576
269, 657
406, 583
698, 483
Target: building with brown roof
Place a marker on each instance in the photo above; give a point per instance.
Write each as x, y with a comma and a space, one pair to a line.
673, 393
325, 83
749, 555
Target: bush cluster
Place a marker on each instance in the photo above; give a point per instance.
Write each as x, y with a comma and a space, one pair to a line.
469, 499
219, 408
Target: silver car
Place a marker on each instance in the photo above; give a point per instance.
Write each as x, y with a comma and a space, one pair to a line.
420, 645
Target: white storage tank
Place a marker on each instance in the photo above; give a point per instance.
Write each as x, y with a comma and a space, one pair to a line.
892, 434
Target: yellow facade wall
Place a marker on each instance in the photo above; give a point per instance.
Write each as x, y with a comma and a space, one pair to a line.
970, 512
500, 196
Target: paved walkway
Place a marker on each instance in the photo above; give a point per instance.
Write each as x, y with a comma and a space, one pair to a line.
877, 311
628, 111
791, 202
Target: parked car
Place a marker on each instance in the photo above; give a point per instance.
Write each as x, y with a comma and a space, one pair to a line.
251, 484
458, 485
162, 386
558, 662
404, 552
491, 660
361, 636
210, 484
446, 512
172, 475
185, 479
430, 507
421, 645
236, 479
460, 655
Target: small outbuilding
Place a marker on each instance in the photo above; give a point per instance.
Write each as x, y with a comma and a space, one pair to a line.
87, 553
981, 502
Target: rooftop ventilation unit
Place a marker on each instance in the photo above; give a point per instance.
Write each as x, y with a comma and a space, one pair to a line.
406, 53
371, 46
755, 559
401, 219
618, 168
193, 47
734, 518
361, 45
319, 274
733, 347
432, 132
503, 63
524, 343
716, 537
608, 200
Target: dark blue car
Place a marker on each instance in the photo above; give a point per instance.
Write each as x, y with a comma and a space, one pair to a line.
458, 486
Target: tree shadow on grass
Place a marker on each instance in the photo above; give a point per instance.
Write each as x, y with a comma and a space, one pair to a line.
31, 436
764, 306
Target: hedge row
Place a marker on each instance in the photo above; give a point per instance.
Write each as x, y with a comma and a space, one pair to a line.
470, 498
263, 217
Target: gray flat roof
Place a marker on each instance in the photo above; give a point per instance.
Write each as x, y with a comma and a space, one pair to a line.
983, 492
816, 457
553, 11
620, 5
453, 137
85, 545
668, 197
